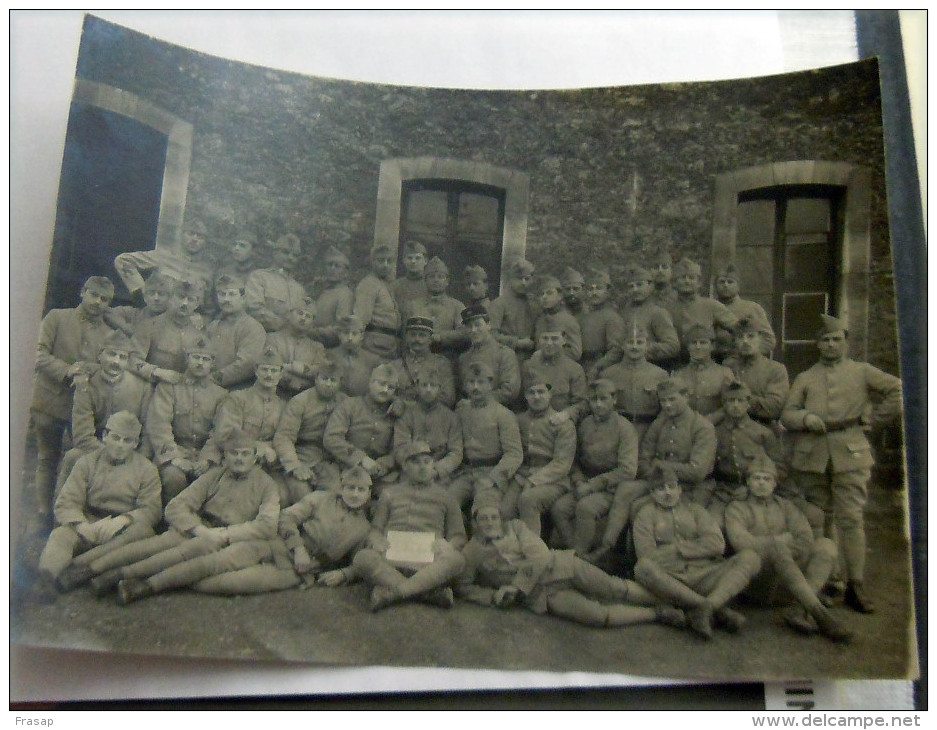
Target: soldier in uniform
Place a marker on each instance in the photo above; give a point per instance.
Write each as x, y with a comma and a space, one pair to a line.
499, 359
180, 420
157, 291
161, 353
827, 410
554, 316
603, 328
513, 313
766, 379
679, 549
427, 418
636, 382
110, 498
298, 438
361, 429
443, 310
551, 364
475, 279
491, 441
778, 531
416, 358
549, 451
240, 261
237, 339
376, 307
255, 412
607, 456
727, 293
272, 293
416, 504
66, 354
739, 441
302, 356
224, 521
691, 309
661, 268
336, 301
704, 377
574, 293
354, 363
644, 312
411, 287
107, 391
679, 439
189, 263
508, 564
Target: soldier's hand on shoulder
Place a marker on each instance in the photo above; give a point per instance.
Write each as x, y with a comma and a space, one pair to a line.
165, 375
302, 472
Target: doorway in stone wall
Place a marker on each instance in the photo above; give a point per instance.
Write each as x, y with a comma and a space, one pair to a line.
789, 245
799, 233
459, 221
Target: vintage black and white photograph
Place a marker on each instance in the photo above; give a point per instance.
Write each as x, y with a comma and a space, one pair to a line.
575, 380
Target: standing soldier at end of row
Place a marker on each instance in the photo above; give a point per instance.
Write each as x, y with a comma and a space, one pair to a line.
828, 409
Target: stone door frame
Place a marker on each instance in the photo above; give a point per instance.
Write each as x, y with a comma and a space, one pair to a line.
853, 269
178, 151
395, 172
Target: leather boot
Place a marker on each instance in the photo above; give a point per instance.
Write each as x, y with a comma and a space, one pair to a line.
856, 599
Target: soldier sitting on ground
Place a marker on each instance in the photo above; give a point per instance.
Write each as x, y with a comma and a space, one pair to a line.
507, 564
111, 498
417, 504
679, 549
780, 534
224, 521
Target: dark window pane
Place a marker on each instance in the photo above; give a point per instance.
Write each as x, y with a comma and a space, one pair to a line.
807, 215
427, 209
802, 315
478, 214
755, 223
756, 270
806, 268
799, 357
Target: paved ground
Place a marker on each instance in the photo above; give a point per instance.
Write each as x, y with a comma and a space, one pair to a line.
334, 626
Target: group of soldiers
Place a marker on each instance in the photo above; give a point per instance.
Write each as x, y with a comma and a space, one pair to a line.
232, 434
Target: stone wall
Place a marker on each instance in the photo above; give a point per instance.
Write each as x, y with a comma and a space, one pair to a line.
614, 172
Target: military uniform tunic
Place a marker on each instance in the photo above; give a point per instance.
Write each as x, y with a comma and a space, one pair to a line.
691, 311
302, 358
636, 398
162, 341
561, 320
66, 336
332, 305
377, 309
705, 381
237, 342
603, 331
100, 398
438, 426
663, 343
512, 318
254, 411
359, 427
181, 417
768, 382
325, 526
355, 369
298, 439
565, 376
410, 366
270, 295
503, 363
